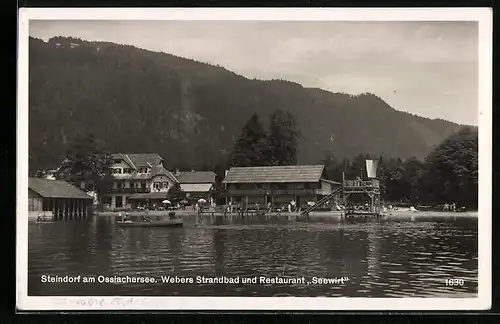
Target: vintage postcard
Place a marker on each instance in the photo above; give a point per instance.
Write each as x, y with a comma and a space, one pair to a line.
254, 159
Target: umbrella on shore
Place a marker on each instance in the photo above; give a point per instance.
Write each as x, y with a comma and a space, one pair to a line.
166, 201
184, 202
202, 201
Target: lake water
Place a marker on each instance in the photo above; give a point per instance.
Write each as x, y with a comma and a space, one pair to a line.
403, 256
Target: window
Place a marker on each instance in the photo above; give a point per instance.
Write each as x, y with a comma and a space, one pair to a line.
307, 186
165, 185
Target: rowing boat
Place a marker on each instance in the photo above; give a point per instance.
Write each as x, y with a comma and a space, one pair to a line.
162, 223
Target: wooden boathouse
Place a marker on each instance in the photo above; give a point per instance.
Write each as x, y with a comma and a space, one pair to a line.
277, 185
57, 200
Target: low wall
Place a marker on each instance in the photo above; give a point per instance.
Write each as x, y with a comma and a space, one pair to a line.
44, 214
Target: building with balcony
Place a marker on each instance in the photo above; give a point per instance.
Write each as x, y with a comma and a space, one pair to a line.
137, 177
277, 185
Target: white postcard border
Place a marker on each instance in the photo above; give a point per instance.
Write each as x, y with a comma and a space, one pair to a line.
483, 301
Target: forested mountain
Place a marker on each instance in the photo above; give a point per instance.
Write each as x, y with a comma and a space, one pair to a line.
134, 100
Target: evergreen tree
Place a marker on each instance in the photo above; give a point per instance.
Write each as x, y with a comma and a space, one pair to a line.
331, 164
250, 147
413, 172
283, 139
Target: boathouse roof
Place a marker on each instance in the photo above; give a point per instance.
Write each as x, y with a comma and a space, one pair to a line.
56, 189
275, 174
196, 187
196, 177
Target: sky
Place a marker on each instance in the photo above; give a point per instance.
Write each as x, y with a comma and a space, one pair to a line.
425, 68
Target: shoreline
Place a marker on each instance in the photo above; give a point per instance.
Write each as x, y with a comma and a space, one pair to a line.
398, 213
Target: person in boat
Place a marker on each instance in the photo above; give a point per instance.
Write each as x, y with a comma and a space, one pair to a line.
125, 218
146, 218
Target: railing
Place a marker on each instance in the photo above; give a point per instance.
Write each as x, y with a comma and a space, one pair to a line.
271, 192
130, 190
374, 183
323, 200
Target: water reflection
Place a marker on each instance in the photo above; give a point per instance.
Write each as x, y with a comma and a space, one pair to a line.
398, 256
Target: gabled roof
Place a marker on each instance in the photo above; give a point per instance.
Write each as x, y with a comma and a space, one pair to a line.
137, 160
160, 170
196, 177
56, 189
275, 174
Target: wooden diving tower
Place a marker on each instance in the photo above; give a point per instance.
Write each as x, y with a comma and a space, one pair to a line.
369, 187
365, 187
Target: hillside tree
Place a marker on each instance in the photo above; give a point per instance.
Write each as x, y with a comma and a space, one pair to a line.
283, 140
86, 161
250, 147
452, 170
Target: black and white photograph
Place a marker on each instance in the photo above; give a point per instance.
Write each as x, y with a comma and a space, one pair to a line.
263, 159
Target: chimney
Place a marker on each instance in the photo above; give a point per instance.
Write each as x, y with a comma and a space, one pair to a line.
226, 172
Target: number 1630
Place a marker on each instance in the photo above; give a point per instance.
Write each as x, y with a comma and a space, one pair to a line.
454, 282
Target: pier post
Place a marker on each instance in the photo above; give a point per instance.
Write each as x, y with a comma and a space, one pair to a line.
51, 207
